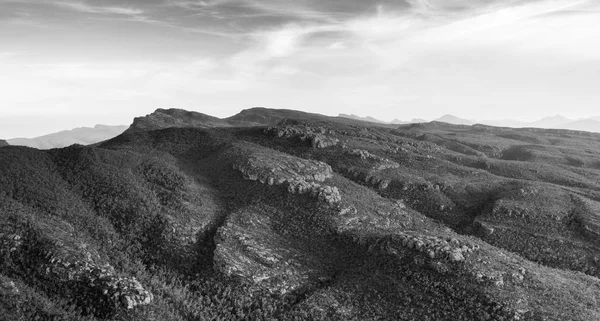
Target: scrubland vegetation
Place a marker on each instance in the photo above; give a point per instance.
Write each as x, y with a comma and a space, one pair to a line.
303, 219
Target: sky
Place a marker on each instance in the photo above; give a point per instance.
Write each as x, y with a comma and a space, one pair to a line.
73, 63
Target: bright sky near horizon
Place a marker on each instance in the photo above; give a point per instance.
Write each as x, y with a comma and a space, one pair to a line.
72, 63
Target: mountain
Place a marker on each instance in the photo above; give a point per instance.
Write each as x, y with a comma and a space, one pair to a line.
398, 122
589, 125
550, 122
554, 122
258, 116
450, 119
3, 143
163, 118
506, 123
367, 119
82, 136
309, 218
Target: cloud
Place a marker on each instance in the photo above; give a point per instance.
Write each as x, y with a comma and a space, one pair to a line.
329, 56
87, 8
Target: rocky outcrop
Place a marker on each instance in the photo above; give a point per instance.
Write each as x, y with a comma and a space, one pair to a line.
450, 249
380, 163
3, 143
123, 292
273, 168
249, 248
324, 193
367, 177
301, 175
65, 263
319, 137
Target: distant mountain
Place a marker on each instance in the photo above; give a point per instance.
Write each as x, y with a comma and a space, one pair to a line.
83, 136
417, 121
505, 123
3, 143
550, 122
260, 116
399, 122
589, 125
367, 118
451, 119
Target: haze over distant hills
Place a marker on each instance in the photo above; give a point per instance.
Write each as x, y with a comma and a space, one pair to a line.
552, 122
83, 136
259, 116
591, 124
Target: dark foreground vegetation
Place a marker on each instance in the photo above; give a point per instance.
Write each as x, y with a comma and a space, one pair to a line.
280, 215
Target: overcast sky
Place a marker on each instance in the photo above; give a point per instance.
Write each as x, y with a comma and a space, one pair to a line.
71, 63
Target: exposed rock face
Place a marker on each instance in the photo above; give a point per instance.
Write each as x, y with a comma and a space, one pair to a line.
324, 193
434, 247
248, 247
124, 292
270, 167
301, 175
317, 137
380, 162
68, 262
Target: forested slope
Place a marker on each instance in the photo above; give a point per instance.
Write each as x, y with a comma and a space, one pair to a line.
310, 219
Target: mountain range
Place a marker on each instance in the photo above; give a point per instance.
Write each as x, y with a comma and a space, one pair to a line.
285, 215
82, 136
591, 124
263, 116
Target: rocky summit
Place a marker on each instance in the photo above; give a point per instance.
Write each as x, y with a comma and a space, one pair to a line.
282, 215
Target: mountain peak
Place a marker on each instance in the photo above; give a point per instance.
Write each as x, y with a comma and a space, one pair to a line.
173, 117
451, 119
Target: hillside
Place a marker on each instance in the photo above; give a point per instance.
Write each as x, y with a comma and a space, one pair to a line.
3, 143
82, 136
304, 217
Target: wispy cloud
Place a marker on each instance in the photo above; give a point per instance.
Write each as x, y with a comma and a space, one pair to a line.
87, 8
331, 55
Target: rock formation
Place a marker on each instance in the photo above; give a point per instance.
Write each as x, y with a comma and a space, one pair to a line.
380, 163
316, 137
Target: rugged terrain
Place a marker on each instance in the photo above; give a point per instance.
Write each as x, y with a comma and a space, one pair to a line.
282, 215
